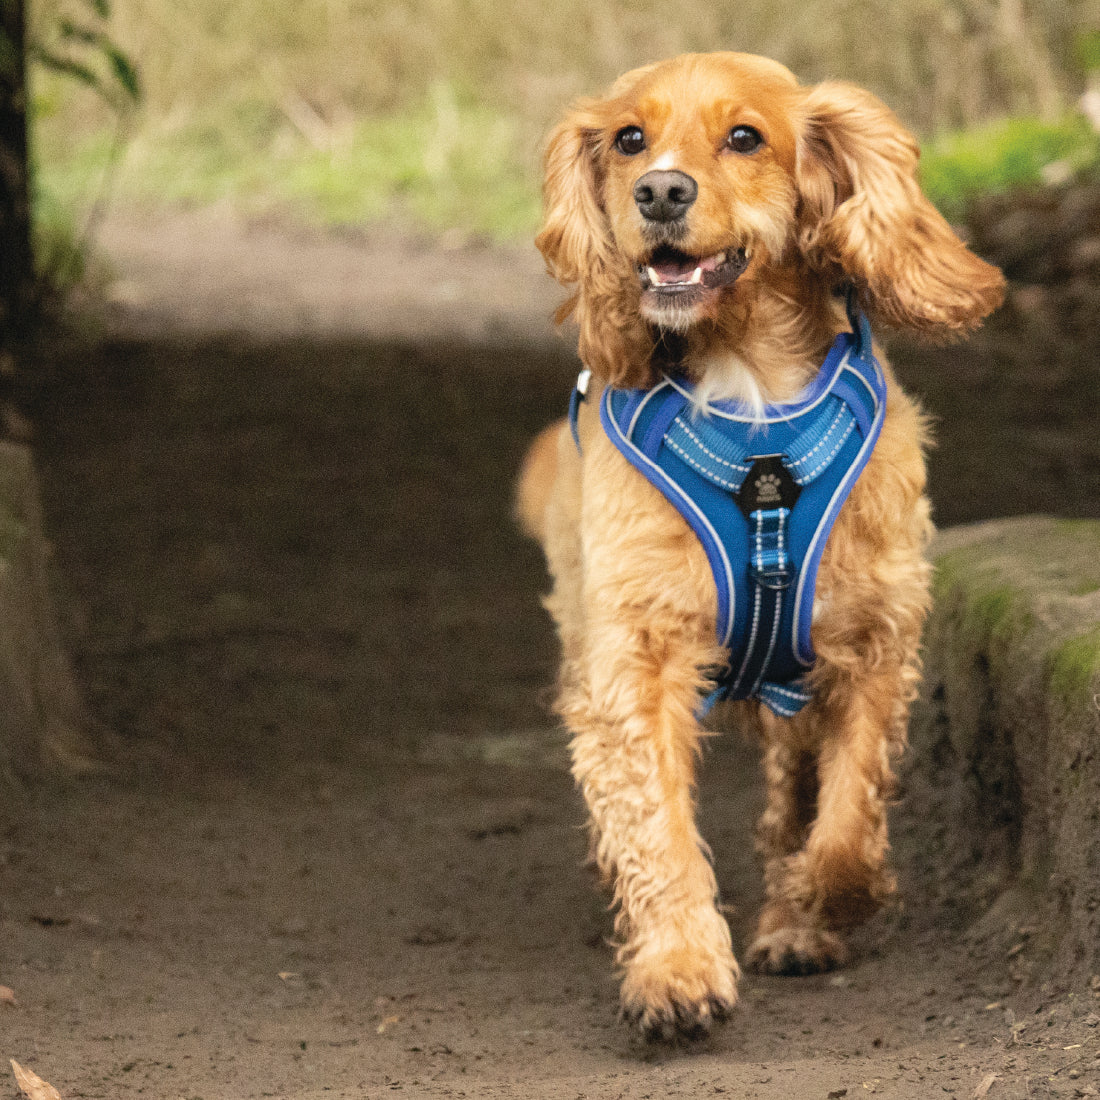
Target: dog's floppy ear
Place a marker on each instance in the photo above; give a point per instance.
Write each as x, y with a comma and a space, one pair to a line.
574, 237
863, 210
579, 250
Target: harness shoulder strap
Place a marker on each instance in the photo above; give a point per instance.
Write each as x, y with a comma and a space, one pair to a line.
761, 495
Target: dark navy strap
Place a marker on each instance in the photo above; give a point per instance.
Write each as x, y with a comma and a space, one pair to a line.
579, 394
861, 327
783, 700
786, 700
770, 563
771, 572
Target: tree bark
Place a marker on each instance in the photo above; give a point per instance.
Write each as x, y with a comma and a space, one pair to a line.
16, 256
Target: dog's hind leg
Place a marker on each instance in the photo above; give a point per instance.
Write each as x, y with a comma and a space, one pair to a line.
789, 938
839, 877
634, 748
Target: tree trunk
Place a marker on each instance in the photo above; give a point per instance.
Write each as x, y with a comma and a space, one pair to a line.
16, 258
41, 716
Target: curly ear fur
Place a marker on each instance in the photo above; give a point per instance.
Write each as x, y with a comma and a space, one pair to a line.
863, 210
577, 244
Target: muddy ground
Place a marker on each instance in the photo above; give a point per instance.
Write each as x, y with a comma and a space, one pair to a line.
335, 850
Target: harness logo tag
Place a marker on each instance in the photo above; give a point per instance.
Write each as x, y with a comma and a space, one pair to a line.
767, 489
769, 484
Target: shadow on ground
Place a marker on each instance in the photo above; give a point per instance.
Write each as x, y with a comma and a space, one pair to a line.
337, 852
251, 530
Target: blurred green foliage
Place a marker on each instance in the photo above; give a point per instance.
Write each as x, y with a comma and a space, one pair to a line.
448, 161
71, 42
431, 113
1005, 155
1087, 51
76, 44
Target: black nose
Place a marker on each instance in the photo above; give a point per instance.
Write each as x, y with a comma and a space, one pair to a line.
665, 196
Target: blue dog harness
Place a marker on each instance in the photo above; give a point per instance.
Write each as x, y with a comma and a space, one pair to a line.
761, 492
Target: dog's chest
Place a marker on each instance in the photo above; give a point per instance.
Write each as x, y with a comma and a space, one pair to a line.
761, 490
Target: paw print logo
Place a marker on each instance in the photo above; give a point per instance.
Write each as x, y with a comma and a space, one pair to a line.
768, 489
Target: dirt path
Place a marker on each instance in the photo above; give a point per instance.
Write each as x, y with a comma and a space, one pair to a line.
338, 852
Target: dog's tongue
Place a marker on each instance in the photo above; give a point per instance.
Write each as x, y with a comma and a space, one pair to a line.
674, 270
678, 268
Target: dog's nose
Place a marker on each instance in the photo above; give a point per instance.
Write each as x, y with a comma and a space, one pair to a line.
665, 196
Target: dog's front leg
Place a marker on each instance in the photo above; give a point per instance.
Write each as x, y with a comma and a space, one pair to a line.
634, 747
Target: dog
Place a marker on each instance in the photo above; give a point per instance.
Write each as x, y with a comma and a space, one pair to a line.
705, 213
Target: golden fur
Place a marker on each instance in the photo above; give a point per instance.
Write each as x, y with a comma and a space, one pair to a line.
830, 196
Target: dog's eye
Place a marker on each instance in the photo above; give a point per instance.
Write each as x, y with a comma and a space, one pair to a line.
744, 139
630, 141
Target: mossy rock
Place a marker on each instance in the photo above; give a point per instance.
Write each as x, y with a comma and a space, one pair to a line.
1027, 587
1004, 764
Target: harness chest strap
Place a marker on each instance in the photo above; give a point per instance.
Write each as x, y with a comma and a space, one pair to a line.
761, 492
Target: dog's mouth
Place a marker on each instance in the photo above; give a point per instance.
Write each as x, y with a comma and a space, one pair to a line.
670, 273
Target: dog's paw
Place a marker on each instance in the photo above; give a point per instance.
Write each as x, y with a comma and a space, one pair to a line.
676, 995
671, 1023
796, 951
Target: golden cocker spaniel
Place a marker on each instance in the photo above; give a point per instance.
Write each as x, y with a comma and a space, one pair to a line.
706, 211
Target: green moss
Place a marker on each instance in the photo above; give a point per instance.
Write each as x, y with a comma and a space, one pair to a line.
950, 570
1073, 668
988, 609
1000, 612
1004, 155
1079, 528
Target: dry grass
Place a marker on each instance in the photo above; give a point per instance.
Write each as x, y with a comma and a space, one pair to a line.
274, 103
944, 63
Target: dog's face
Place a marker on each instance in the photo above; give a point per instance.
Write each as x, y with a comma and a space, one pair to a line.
700, 184
698, 161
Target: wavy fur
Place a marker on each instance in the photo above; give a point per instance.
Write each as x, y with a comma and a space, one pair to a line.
830, 195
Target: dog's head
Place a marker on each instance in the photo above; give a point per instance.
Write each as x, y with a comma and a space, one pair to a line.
702, 183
